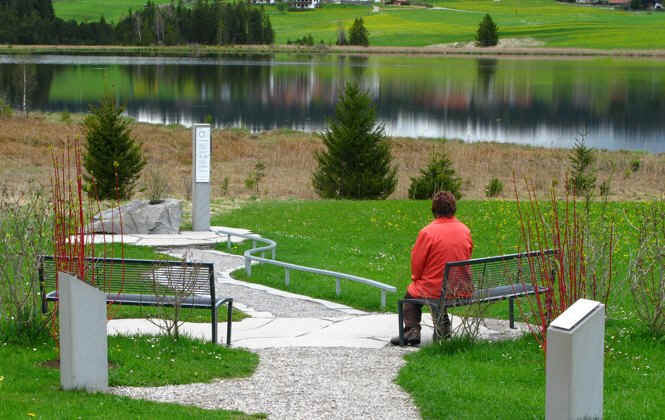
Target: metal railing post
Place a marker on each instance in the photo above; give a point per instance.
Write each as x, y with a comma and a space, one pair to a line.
228, 241
248, 266
383, 298
338, 286
287, 279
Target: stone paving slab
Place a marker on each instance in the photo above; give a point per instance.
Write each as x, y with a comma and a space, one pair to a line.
185, 238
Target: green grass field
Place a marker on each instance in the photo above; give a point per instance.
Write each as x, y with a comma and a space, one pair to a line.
373, 239
554, 23
456, 380
31, 389
92, 10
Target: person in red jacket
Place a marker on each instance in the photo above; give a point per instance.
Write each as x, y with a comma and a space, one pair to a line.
444, 239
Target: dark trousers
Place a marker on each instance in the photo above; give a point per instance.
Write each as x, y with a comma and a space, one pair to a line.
413, 314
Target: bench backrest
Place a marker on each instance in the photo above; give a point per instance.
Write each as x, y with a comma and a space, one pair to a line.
150, 277
487, 273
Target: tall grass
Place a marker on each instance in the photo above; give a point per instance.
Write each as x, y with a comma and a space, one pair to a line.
289, 160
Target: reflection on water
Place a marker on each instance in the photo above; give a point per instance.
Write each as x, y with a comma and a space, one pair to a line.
619, 104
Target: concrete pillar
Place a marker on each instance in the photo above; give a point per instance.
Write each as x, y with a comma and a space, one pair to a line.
201, 153
83, 339
575, 356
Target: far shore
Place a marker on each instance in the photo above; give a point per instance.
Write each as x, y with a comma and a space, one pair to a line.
213, 51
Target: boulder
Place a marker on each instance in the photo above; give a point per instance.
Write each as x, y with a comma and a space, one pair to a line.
140, 217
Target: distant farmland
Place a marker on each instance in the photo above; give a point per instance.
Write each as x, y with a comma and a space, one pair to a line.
545, 23
92, 10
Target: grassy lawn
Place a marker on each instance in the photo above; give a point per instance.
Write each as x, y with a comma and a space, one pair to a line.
506, 380
373, 239
92, 10
29, 389
457, 380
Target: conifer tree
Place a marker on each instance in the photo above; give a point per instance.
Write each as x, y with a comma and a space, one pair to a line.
113, 159
358, 34
582, 180
488, 32
439, 175
357, 161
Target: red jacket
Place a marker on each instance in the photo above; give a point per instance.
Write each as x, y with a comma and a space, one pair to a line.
443, 240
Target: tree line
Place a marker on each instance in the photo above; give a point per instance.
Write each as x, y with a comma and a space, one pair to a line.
205, 22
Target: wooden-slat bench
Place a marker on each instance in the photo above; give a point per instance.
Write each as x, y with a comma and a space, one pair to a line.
492, 278
146, 283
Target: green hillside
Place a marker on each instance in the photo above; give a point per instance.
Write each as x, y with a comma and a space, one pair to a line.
555, 24
91, 10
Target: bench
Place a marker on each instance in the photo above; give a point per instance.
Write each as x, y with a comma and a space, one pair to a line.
492, 279
146, 283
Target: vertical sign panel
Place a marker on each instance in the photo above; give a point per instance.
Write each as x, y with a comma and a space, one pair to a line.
202, 163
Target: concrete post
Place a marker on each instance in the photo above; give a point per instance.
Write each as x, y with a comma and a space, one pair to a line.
201, 152
83, 339
575, 355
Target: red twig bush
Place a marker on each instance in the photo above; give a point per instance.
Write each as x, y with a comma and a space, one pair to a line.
584, 241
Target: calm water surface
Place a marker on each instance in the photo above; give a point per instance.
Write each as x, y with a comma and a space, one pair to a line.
615, 103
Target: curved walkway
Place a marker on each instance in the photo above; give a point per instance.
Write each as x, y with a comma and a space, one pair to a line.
318, 359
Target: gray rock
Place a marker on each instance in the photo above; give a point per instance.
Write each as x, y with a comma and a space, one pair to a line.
140, 217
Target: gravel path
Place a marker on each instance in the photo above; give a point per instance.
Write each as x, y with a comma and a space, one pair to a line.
294, 382
303, 383
257, 298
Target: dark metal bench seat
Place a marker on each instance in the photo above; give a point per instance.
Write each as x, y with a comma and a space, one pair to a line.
146, 283
493, 278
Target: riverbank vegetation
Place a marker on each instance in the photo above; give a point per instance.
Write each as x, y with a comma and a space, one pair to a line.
289, 160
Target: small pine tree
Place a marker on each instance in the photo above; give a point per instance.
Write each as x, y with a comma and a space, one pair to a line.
357, 161
358, 34
582, 178
494, 188
488, 32
113, 160
439, 175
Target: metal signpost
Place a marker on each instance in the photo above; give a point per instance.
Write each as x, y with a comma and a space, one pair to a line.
201, 148
575, 354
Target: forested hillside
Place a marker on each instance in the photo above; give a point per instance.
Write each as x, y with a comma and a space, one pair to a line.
206, 22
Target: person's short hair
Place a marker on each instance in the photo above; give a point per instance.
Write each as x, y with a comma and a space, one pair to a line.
444, 204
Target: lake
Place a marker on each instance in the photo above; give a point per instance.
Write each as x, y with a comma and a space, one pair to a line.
613, 103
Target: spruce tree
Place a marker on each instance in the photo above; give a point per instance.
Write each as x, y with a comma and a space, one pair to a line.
439, 175
582, 180
113, 160
357, 161
358, 34
488, 32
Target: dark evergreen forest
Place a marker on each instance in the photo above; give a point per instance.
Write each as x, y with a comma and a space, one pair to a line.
205, 22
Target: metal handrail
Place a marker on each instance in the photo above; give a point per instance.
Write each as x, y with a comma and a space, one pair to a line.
272, 245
